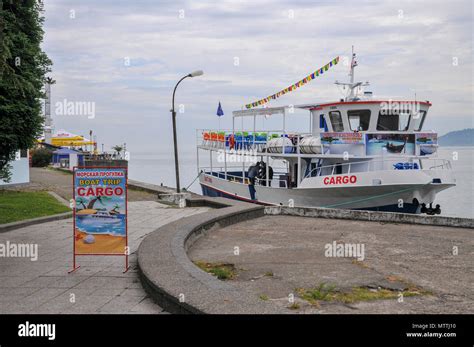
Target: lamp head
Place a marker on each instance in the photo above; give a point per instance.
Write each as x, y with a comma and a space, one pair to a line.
196, 73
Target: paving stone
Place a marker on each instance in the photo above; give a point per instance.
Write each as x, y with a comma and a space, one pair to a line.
44, 286
121, 304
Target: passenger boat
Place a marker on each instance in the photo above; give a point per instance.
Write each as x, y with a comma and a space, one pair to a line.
395, 148
358, 153
105, 216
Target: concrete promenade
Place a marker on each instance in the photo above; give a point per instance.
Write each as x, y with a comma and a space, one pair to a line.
99, 286
281, 251
278, 254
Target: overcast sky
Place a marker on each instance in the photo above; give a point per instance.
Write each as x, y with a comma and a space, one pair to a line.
126, 56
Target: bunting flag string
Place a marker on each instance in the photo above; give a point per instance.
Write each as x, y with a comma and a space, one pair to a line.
298, 84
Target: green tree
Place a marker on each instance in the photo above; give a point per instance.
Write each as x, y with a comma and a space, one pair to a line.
118, 149
81, 201
23, 67
41, 157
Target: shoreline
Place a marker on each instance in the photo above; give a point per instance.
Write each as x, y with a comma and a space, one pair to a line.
103, 244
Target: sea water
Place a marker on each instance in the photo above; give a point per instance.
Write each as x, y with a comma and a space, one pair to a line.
93, 225
158, 168
458, 201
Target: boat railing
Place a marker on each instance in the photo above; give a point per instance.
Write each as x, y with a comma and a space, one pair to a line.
251, 141
380, 165
274, 182
279, 179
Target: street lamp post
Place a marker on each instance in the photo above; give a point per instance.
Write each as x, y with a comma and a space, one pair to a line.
173, 116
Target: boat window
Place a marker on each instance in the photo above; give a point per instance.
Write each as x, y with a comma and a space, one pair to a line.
419, 118
359, 119
336, 121
404, 121
393, 120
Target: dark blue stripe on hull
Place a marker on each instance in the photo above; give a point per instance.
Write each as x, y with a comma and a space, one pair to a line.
206, 191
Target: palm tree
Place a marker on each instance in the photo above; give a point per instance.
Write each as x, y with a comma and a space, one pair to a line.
99, 198
118, 149
114, 210
49, 80
90, 206
81, 201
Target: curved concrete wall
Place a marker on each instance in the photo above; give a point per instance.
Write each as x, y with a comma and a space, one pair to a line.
176, 284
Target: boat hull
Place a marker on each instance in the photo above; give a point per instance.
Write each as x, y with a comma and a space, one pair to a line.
399, 197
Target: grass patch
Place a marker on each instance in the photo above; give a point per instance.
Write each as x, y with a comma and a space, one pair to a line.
16, 206
294, 306
365, 294
269, 274
222, 271
321, 292
324, 292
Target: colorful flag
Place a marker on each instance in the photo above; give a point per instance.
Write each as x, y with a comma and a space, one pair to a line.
298, 84
220, 112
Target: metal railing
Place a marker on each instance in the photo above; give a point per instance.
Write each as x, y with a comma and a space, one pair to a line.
105, 156
251, 142
276, 181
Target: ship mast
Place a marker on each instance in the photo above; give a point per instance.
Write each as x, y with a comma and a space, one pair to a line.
352, 94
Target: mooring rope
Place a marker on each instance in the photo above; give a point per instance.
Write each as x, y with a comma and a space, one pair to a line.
194, 180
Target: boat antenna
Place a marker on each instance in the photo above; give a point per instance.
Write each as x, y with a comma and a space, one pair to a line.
353, 65
352, 93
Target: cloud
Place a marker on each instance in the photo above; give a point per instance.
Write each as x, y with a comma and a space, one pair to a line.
403, 47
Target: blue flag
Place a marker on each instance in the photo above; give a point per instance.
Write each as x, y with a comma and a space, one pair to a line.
220, 112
